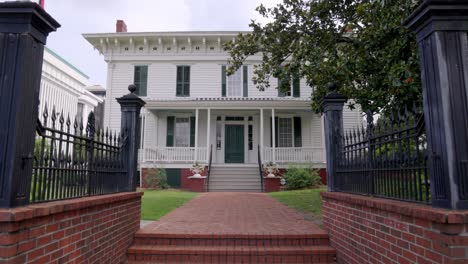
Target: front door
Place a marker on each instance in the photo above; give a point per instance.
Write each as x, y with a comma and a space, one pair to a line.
234, 144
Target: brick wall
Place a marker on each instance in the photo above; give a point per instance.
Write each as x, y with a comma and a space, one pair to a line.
373, 230
95, 229
193, 185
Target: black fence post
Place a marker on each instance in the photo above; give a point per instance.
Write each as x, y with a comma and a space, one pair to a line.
371, 153
130, 106
441, 31
24, 27
332, 106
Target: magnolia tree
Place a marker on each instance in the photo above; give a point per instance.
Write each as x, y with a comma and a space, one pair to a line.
360, 45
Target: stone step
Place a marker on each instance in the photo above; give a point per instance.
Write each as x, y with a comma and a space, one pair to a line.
231, 254
236, 190
219, 179
230, 240
235, 185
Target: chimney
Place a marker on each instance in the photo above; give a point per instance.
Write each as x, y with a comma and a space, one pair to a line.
121, 26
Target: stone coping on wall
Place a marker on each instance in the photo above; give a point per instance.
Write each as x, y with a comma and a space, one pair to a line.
425, 212
48, 208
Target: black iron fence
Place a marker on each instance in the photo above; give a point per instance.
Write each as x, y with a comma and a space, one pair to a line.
72, 159
387, 159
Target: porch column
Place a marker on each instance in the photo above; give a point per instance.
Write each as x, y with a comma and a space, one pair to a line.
261, 133
208, 133
196, 134
273, 134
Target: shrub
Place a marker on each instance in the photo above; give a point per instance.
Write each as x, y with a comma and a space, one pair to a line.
156, 178
301, 177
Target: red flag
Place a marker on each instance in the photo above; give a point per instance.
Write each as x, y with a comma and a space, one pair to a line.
41, 3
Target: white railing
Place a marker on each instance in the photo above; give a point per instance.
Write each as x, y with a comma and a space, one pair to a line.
173, 154
293, 155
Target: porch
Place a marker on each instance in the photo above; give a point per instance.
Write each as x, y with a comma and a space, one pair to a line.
178, 135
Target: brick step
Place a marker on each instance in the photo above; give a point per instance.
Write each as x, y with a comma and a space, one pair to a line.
231, 240
231, 254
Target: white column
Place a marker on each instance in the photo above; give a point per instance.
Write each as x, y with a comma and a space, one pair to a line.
196, 134
208, 133
273, 133
261, 133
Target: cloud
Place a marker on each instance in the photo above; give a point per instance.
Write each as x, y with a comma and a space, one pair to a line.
95, 16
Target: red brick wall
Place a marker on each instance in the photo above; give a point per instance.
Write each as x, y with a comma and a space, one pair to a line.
272, 184
95, 229
373, 230
193, 185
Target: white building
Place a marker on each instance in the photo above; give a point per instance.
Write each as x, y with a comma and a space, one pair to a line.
191, 105
63, 87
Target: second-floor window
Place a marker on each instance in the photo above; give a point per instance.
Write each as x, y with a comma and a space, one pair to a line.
289, 86
235, 85
183, 81
140, 79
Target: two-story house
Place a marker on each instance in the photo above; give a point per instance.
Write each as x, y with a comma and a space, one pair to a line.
194, 110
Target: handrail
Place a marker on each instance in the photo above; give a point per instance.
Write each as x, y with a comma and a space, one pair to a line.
207, 182
260, 167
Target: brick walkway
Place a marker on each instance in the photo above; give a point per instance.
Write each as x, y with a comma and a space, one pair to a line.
231, 228
233, 213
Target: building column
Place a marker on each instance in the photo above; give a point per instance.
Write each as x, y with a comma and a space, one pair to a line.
273, 135
196, 133
261, 133
208, 133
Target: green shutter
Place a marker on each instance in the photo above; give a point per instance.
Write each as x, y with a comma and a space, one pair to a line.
223, 81
296, 86
276, 131
192, 131
245, 81
179, 81
186, 89
170, 131
140, 79
297, 132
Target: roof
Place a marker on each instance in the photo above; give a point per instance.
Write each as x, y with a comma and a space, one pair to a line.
66, 62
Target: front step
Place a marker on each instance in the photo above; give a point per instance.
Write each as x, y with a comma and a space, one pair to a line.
231, 254
198, 248
235, 179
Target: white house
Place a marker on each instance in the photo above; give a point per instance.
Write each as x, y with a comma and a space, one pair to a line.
193, 110
63, 88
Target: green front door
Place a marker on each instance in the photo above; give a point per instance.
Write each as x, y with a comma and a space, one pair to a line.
234, 144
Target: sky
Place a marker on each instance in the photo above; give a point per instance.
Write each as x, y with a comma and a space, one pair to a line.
98, 16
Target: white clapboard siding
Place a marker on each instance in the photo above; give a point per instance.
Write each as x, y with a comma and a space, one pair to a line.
352, 118
122, 76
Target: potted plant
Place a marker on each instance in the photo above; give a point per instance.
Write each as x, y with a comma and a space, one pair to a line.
271, 169
196, 169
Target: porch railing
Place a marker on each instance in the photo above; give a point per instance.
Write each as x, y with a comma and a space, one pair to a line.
173, 154
296, 155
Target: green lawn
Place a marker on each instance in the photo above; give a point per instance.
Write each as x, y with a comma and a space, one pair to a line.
308, 202
157, 203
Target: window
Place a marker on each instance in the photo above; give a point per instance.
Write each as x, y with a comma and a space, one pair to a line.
140, 79
234, 118
289, 86
285, 132
79, 112
234, 84
183, 81
182, 132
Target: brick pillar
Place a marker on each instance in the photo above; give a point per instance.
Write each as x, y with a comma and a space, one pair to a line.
332, 105
131, 105
441, 28
24, 27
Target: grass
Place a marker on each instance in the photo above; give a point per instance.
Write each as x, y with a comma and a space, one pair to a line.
157, 203
308, 202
